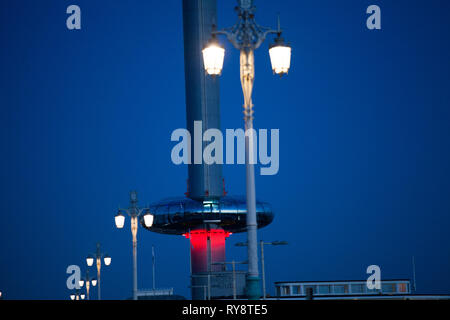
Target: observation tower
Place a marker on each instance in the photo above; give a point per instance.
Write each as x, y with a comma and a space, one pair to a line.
206, 215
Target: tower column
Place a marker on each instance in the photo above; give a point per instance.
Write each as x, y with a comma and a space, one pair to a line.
202, 95
207, 247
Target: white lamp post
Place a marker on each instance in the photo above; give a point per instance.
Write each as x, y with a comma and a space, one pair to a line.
246, 36
77, 295
87, 282
134, 212
98, 257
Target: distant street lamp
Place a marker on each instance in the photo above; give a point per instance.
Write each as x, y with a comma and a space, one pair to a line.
246, 36
262, 243
98, 257
77, 295
88, 282
134, 212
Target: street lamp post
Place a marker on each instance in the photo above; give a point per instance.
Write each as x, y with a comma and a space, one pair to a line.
134, 212
246, 36
98, 257
262, 243
88, 282
77, 295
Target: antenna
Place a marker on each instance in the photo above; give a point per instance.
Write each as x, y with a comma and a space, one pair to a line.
278, 23
153, 265
414, 273
190, 253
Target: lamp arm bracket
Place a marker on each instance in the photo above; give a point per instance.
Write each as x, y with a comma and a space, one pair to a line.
246, 35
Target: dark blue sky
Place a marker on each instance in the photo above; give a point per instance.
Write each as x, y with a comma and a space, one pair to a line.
86, 116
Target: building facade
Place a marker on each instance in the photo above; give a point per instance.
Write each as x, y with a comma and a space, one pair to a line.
341, 288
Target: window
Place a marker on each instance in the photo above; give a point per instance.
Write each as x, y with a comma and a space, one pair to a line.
340, 288
207, 207
388, 287
372, 290
297, 289
323, 289
286, 290
402, 287
314, 290
357, 288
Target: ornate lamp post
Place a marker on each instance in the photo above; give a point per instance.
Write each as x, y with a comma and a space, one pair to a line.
88, 281
134, 212
77, 296
98, 257
246, 36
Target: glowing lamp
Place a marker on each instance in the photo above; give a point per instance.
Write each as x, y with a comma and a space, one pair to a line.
213, 56
72, 297
107, 260
81, 283
280, 56
148, 219
120, 220
89, 260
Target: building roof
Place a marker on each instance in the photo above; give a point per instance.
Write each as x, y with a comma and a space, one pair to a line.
368, 297
336, 281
